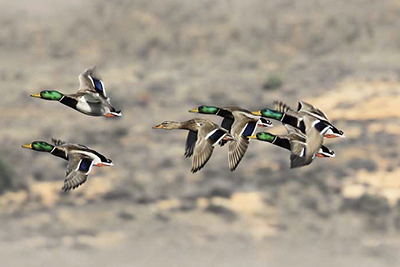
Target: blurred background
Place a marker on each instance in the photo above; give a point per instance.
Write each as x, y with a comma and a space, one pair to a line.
160, 58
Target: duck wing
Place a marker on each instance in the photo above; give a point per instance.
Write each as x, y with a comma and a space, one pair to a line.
204, 145
311, 110
313, 143
284, 108
299, 153
58, 142
79, 167
89, 81
237, 149
245, 124
190, 143
298, 147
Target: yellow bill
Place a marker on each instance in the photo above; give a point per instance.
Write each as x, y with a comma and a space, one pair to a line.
36, 95
195, 110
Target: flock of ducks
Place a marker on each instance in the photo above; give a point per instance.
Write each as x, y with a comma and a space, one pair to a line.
306, 129
90, 99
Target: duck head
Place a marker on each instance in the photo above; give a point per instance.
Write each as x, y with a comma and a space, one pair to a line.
167, 125
40, 146
205, 110
269, 113
263, 136
49, 95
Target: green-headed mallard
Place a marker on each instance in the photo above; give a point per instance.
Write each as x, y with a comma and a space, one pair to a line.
296, 142
91, 98
80, 158
241, 123
200, 142
307, 118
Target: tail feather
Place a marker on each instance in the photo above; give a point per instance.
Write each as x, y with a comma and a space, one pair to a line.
114, 114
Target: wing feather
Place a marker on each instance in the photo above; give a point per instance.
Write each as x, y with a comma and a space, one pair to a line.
190, 143
79, 167
204, 147
238, 149
89, 81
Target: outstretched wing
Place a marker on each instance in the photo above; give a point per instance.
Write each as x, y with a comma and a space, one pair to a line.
190, 143
237, 149
204, 145
284, 108
202, 153
79, 167
299, 155
313, 141
311, 110
296, 161
90, 81
57, 142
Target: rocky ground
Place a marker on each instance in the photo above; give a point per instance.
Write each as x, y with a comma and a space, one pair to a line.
160, 58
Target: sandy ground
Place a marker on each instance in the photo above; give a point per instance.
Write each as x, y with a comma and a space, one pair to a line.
159, 59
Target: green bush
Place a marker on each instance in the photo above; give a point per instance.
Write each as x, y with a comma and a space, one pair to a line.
6, 174
273, 82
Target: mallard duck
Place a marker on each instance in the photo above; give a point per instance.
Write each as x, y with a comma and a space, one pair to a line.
295, 141
241, 123
91, 98
310, 121
80, 159
306, 117
203, 136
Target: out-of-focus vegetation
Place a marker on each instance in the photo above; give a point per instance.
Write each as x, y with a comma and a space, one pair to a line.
6, 175
160, 58
273, 82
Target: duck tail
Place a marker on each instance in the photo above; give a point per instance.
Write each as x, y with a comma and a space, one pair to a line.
114, 114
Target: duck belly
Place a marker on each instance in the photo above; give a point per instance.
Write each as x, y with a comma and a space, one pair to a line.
90, 108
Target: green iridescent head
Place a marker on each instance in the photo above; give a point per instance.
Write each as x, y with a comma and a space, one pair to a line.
49, 95
205, 110
39, 146
263, 136
269, 113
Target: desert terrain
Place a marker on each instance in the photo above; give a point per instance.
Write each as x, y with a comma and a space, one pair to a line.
158, 59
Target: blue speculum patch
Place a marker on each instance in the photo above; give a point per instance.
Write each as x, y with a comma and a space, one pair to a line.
98, 85
249, 128
217, 135
85, 165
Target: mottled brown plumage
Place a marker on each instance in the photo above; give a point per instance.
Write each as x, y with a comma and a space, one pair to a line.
202, 137
241, 123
